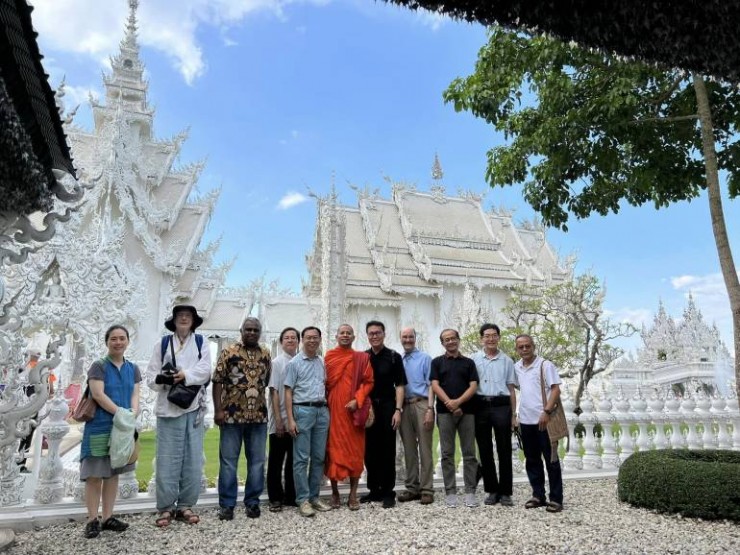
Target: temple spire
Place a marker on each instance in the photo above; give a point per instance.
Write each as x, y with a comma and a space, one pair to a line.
129, 41
437, 172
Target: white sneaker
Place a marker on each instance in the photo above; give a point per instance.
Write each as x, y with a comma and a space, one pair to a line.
471, 500
451, 500
320, 505
306, 509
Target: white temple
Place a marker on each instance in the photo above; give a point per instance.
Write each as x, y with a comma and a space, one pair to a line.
131, 249
684, 356
425, 259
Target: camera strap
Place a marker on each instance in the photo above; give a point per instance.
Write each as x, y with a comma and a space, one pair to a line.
172, 351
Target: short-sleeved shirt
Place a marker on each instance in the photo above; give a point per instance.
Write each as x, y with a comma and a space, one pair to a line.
243, 374
496, 373
454, 375
529, 380
388, 373
306, 377
277, 380
417, 366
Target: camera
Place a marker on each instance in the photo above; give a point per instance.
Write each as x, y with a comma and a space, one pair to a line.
167, 377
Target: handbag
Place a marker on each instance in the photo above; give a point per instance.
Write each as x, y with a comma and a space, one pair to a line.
557, 425
180, 394
364, 415
86, 407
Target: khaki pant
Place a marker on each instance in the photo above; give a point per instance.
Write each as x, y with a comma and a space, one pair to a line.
417, 444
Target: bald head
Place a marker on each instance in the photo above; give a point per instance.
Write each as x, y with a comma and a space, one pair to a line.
408, 339
345, 336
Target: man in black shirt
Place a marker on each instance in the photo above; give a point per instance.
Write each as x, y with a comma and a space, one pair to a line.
454, 382
387, 398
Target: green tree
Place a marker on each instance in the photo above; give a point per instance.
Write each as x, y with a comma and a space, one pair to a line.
587, 132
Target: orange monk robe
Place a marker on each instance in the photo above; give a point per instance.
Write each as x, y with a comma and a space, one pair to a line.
345, 449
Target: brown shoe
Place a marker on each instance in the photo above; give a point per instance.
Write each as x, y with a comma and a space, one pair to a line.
408, 496
427, 498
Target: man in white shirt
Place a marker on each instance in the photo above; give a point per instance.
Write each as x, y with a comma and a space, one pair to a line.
281, 443
533, 419
183, 357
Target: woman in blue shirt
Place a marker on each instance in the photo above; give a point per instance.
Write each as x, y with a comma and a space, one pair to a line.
114, 384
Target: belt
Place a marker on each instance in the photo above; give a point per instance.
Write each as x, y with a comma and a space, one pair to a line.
311, 404
412, 400
495, 400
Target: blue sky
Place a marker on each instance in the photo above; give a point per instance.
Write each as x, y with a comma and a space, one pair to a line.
284, 96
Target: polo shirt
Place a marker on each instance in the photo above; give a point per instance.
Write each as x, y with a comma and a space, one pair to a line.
530, 398
454, 375
417, 366
306, 377
496, 373
277, 381
388, 373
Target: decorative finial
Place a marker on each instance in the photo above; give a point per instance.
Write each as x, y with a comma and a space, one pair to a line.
131, 28
437, 173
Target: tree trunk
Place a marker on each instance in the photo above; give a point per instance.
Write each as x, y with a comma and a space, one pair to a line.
729, 273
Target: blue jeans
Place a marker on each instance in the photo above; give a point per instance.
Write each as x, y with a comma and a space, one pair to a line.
179, 465
309, 444
536, 445
254, 438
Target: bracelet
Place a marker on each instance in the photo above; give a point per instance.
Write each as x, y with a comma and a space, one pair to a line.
399, 409
430, 408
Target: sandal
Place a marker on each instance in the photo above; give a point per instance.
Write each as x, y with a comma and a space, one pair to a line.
187, 516
353, 504
164, 519
553, 507
335, 501
534, 503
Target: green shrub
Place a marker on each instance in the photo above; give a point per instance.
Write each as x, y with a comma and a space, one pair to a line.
703, 484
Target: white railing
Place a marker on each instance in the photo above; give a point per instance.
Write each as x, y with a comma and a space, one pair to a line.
609, 429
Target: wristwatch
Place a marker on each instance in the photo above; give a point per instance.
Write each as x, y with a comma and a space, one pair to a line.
399, 409
548, 412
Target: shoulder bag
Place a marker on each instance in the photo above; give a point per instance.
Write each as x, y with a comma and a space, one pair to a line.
86, 407
557, 425
180, 394
364, 415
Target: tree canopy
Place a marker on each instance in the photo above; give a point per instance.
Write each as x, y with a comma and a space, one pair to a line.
587, 132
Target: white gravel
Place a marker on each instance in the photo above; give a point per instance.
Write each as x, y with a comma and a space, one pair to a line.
593, 521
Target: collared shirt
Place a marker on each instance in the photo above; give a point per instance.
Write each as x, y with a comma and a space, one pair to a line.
530, 398
306, 377
417, 365
277, 381
243, 374
454, 375
496, 373
197, 372
388, 373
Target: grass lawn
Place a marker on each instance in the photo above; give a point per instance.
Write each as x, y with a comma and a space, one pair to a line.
144, 468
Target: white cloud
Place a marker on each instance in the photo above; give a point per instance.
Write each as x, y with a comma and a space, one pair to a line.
628, 315
710, 296
291, 199
82, 26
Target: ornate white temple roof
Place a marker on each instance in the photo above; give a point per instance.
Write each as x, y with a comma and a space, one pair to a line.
418, 242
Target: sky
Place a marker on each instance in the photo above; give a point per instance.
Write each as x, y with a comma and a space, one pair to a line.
283, 98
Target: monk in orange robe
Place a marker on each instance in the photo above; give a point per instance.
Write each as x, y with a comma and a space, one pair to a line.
349, 381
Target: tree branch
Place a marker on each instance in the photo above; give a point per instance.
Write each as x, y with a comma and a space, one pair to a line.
665, 120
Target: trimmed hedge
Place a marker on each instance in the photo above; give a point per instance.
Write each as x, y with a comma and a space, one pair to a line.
702, 484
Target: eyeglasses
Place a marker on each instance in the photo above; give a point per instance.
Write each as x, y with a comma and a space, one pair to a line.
251, 330
375, 333
311, 338
450, 340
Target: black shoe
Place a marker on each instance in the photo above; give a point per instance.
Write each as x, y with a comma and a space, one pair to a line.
389, 502
275, 506
491, 499
226, 513
370, 497
114, 525
478, 474
253, 511
289, 503
92, 529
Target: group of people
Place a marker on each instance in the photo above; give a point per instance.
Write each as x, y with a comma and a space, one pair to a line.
332, 415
